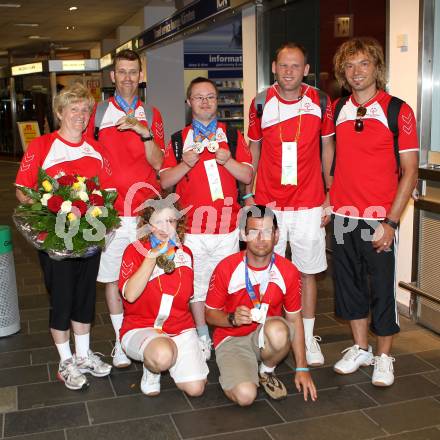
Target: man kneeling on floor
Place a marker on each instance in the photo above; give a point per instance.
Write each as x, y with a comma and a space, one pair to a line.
245, 302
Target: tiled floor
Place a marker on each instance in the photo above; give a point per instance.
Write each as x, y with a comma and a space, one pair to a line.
33, 405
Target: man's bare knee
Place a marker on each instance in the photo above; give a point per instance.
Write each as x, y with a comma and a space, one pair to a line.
244, 394
277, 334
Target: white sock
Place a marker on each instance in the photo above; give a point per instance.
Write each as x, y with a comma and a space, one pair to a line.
308, 323
82, 345
117, 323
64, 351
265, 369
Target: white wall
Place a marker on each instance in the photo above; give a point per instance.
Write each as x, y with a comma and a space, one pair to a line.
403, 80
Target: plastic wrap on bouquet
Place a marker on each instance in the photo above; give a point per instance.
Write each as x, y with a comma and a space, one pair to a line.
36, 239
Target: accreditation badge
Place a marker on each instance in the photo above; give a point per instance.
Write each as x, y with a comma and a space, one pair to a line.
263, 311
289, 168
215, 184
166, 303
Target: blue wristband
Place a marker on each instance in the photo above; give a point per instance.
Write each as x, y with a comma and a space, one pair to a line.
247, 196
302, 369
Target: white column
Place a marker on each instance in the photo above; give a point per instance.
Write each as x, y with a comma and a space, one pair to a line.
403, 80
249, 38
165, 76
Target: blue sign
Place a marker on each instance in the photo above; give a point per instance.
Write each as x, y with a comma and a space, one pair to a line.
188, 16
213, 61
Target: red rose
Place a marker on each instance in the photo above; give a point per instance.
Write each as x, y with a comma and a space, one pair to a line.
96, 200
91, 185
54, 203
82, 206
42, 236
66, 180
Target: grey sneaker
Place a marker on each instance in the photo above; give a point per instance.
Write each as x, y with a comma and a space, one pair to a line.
73, 378
93, 364
353, 358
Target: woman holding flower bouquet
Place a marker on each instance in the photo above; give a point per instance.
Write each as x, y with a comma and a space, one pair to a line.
156, 282
60, 176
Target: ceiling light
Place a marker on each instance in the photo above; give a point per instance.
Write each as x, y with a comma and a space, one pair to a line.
10, 5
38, 37
70, 28
27, 24
62, 48
73, 8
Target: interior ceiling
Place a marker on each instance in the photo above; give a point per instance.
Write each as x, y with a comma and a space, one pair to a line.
93, 21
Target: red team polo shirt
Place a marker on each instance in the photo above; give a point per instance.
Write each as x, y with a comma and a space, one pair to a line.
279, 122
366, 179
56, 156
126, 153
204, 215
227, 291
143, 312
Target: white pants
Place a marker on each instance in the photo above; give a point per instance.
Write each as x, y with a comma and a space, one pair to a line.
303, 230
208, 250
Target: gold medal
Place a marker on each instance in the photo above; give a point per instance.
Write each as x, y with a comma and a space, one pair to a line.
130, 120
213, 146
198, 147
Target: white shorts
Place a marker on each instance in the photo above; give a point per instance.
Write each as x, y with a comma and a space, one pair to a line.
208, 250
190, 363
303, 230
111, 257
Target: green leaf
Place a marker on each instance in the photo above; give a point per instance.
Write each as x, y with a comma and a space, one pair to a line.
36, 207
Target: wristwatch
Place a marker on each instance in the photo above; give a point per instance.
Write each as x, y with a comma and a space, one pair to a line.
231, 319
147, 138
392, 223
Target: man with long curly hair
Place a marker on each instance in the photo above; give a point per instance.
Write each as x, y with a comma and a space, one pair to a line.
374, 174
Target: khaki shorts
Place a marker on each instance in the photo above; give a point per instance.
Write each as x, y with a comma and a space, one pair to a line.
237, 357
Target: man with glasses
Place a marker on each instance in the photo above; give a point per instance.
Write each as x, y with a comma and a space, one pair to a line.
204, 168
254, 302
374, 174
286, 124
134, 146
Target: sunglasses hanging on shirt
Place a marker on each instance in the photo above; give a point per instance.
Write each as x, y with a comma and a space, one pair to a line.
359, 123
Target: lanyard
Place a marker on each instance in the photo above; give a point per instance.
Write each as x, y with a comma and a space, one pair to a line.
204, 132
298, 128
128, 109
263, 285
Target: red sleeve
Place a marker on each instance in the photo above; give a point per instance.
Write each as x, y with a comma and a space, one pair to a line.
327, 122
243, 153
292, 299
90, 130
131, 261
33, 159
407, 129
169, 160
218, 289
254, 129
157, 128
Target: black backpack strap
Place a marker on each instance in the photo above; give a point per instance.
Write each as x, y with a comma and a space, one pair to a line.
322, 102
341, 102
177, 145
101, 108
148, 110
232, 135
260, 101
393, 124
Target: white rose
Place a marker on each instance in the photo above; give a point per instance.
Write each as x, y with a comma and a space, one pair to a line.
83, 196
95, 191
45, 198
66, 206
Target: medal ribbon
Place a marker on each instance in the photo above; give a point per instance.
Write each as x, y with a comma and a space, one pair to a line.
127, 108
263, 285
204, 132
166, 248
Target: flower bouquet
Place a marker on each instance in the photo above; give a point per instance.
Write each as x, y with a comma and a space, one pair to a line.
69, 217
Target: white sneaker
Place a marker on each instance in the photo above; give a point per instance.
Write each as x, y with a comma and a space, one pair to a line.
150, 382
69, 373
383, 374
353, 358
205, 345
93, 364
120, 359
314, 355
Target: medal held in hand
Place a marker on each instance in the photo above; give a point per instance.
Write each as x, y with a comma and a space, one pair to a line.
213, 146
198, 147
167, 252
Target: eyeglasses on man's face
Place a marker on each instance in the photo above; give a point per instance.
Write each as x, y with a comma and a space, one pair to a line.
201, 98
